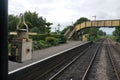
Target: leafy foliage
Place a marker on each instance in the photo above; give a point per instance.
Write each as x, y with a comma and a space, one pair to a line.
34, 22
65, 29
62, 39
39, 44
38, 37
116, 33
51, 40
95, 33
81, 20
37, 22
12, 22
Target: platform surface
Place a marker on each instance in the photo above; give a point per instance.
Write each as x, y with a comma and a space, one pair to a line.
43, 53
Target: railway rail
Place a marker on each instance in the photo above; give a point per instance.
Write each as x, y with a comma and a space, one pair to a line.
77, 64
107, 69
40, 68
83, 75
84, 67
113, 61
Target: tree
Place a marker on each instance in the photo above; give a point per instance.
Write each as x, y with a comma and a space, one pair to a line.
65, 29
35, 29
48, 27
34, 22
38, 22
101, 33
12, 23
81, 20
116, 33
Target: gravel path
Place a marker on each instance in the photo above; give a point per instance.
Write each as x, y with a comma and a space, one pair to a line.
41, 54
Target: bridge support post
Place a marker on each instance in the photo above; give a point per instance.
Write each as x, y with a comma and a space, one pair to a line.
76, 36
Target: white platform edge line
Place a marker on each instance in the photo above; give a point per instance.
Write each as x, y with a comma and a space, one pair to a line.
44, 59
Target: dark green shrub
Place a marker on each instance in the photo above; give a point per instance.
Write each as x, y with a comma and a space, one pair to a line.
42, 44
51, 40
54, 35
62, 39
38, 37
35, 45
39, 44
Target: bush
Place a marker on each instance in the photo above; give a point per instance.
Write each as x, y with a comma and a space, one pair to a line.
51, 40
62, 39
54, 35
42, 44
39, 44
43, 40
38, 37
35, 45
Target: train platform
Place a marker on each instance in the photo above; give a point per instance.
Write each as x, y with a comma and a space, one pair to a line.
44, 54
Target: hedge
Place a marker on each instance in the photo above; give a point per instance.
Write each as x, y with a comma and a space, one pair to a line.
59, 37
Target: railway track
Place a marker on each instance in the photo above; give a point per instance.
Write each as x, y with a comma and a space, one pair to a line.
104, 66
113, 60
79, 64
37, 70
84, 61
60, 68
83, 75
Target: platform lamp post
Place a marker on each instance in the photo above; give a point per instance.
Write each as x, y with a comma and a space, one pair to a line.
58, 32
3, 40
58, 28
55, 30
95, 21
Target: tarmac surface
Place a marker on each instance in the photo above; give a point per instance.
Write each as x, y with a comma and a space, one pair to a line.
43, 53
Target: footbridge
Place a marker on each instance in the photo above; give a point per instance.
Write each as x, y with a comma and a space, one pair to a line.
72, 32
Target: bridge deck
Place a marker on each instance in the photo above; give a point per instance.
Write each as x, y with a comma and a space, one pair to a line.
98, 23
44, 53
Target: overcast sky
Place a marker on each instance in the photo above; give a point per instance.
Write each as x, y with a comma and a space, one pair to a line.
64, 12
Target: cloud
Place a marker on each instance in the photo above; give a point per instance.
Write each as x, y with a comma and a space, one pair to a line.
65, 12
107, 30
